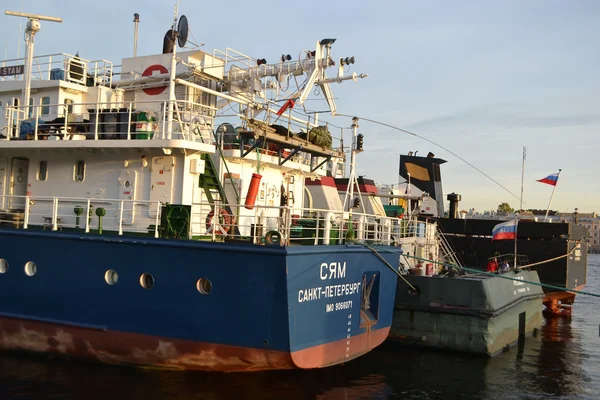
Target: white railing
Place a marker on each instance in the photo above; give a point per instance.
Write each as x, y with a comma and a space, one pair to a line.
62, 66
110, 120
204, 221
117, 120
81, 214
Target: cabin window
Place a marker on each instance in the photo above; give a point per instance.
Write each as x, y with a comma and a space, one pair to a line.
31, 107
79, 171
68, 106
43, 171
46, 105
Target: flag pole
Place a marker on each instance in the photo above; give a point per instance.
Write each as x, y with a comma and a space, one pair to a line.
520, 206
552, 195
522, 177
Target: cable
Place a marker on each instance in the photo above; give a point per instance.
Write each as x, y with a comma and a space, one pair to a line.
435, 144
477, 271
387, 264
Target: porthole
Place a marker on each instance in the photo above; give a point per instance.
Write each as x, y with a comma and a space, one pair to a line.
30, 268
147, 280
3, 266
111, 277
204, 286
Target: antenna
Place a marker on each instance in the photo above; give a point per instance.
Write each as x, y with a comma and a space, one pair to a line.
33, 26
182, 31
33, 16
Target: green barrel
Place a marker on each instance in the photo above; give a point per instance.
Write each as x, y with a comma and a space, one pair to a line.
144, 126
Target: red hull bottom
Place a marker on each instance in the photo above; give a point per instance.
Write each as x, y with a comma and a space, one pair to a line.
122, 348
558, 304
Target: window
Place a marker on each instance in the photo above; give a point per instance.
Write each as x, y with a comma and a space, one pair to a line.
79, 171
68, 106
31, 107
45, 105
43, 171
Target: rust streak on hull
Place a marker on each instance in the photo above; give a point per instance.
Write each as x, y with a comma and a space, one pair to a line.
113, 347
123, 348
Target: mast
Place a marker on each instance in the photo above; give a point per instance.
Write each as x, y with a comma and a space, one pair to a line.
172, 77
136, 21
33, 27
352, 177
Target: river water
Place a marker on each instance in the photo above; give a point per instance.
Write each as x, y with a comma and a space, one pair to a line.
563, 362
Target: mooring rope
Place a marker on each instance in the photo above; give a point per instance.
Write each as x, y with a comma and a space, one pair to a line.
388, 265
476, 271
552, 259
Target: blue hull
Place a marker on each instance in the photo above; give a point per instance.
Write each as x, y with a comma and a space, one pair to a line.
265, 307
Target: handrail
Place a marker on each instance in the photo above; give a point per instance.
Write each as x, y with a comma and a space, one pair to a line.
195, 120
206, 221
45, 64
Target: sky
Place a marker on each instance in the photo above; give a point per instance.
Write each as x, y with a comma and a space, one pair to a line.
480, 79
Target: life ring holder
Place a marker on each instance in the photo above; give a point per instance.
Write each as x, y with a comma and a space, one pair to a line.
221, 228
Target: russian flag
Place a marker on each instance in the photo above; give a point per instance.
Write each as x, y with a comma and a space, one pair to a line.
505, 231
550, 179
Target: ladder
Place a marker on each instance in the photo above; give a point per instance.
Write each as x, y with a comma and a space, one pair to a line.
210, 182
213, 189
449, 254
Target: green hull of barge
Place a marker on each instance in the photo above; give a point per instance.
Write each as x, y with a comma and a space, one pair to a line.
478, 314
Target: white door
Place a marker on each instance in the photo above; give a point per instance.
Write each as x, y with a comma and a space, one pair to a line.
3, 193
127, 185
18, 183
161, 181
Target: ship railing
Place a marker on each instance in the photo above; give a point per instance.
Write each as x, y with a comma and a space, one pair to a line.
285, 127
113, 216
295, 226
107, 120
199, 221
147, 120
233, 145
234, 58
302, 126
62, 66
240, 66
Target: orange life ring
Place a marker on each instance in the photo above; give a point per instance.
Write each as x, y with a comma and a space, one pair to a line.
228, 220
